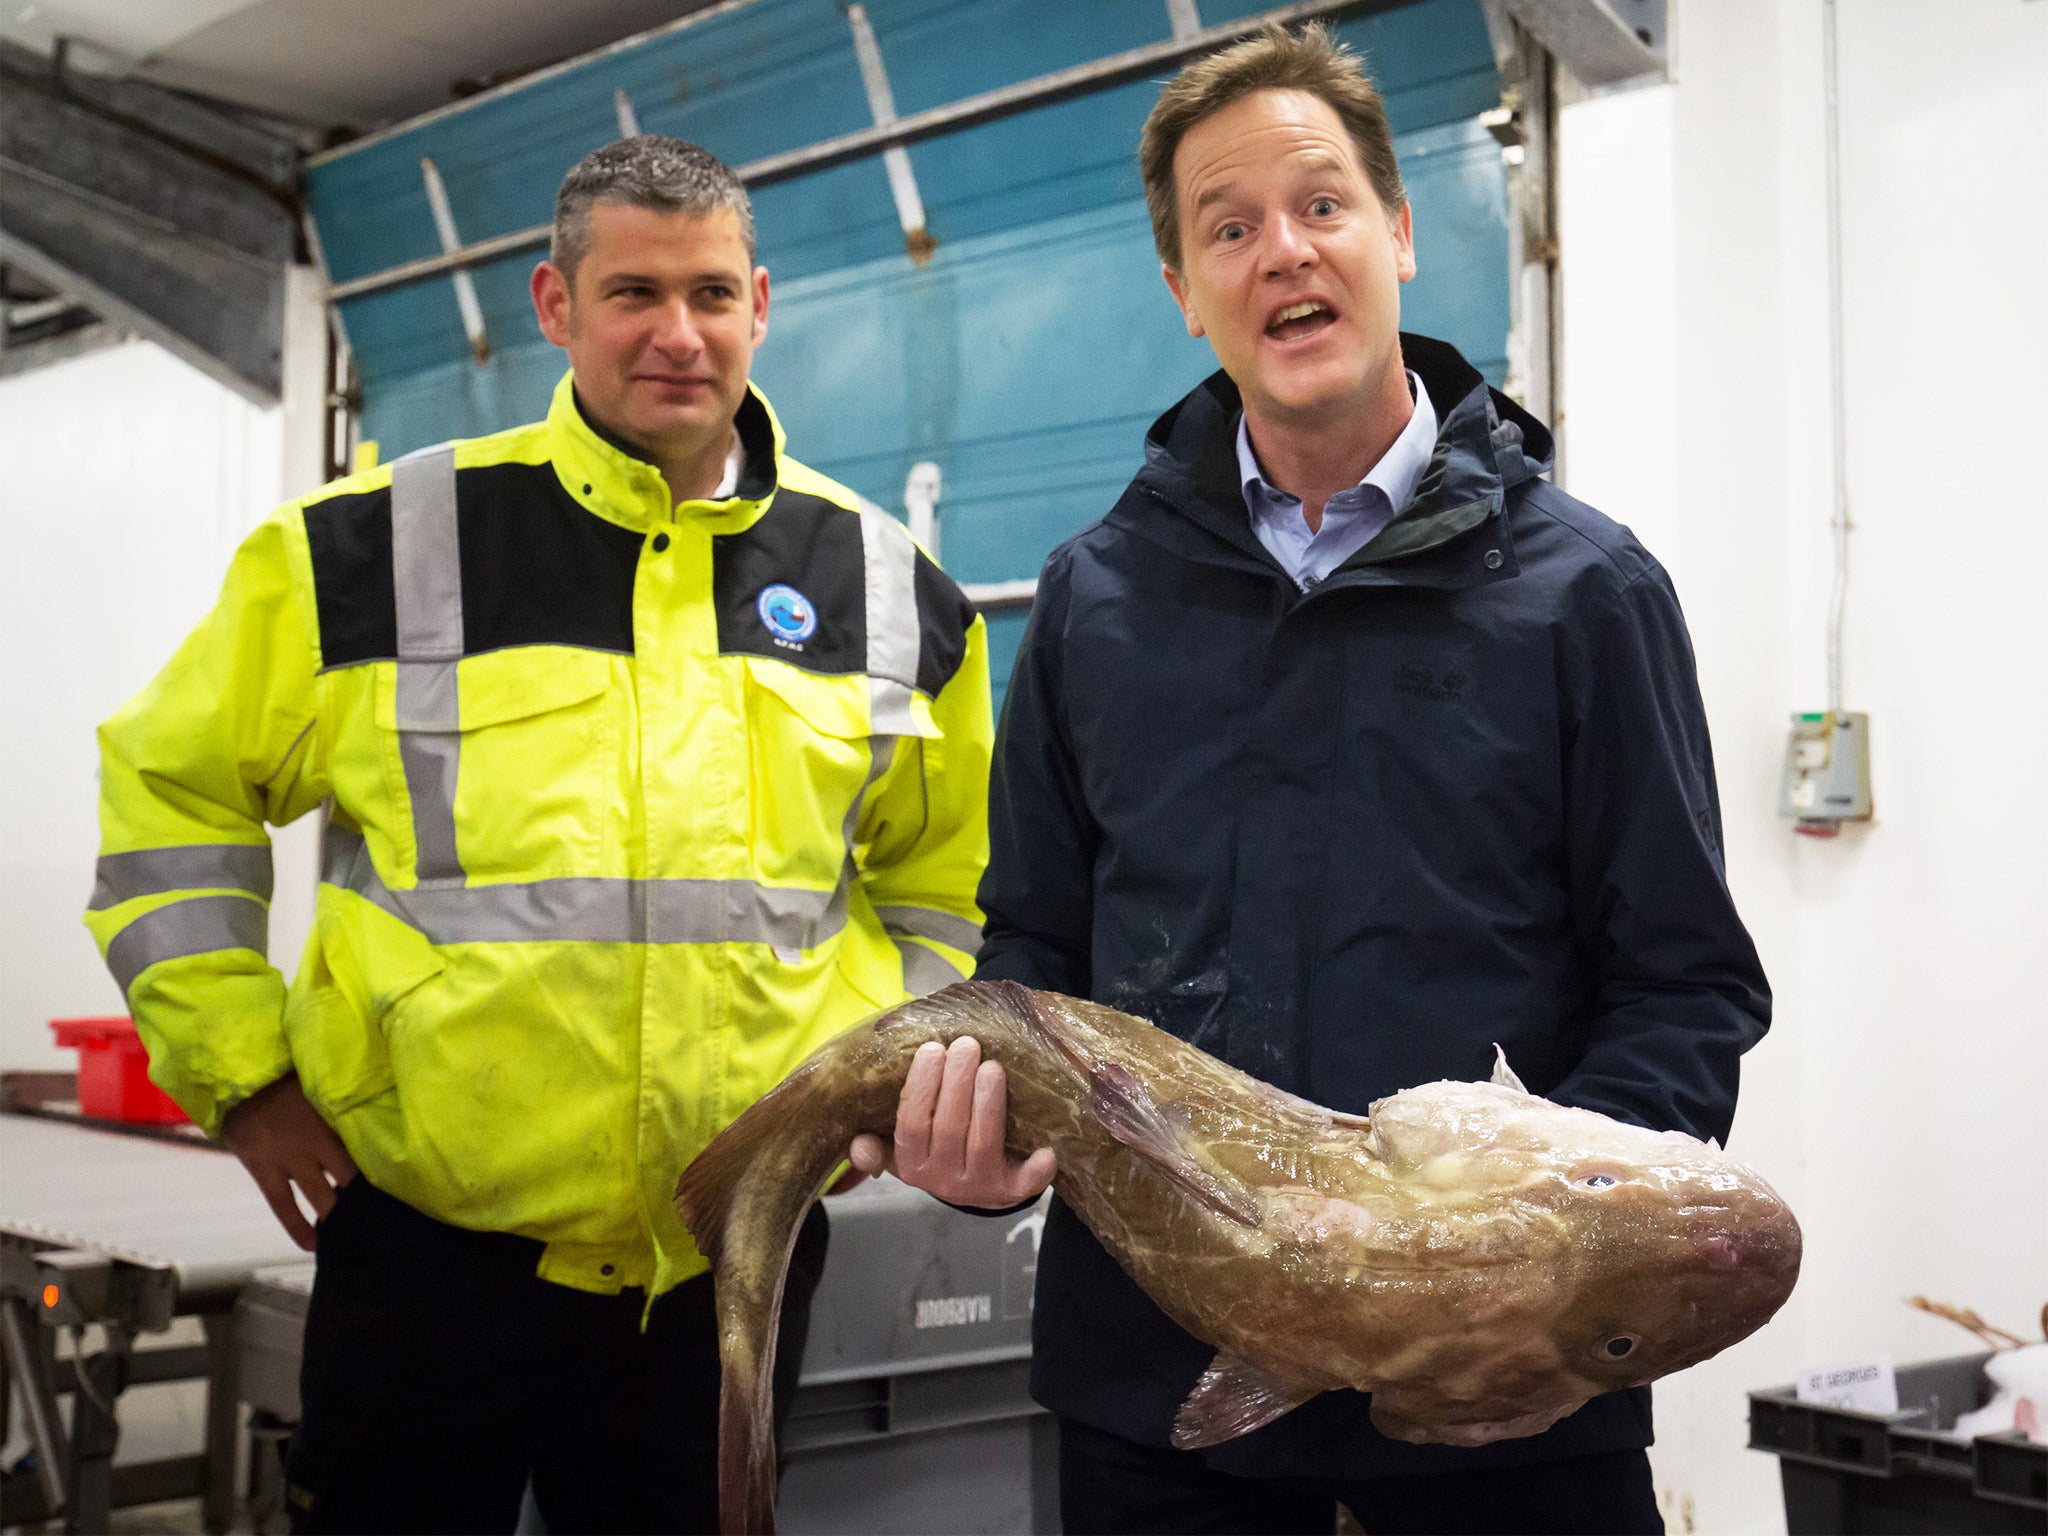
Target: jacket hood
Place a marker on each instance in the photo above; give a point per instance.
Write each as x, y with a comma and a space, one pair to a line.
1485, 446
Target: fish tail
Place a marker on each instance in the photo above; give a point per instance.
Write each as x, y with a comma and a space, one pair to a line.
745, 1195
743, 1199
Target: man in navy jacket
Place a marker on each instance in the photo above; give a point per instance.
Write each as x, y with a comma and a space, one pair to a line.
1343, 747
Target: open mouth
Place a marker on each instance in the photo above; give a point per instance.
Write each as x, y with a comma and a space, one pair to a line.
1305, 318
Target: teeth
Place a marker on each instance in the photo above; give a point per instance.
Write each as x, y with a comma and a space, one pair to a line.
1300, 311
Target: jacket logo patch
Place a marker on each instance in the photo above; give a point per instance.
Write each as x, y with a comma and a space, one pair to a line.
788, 615
1439, 688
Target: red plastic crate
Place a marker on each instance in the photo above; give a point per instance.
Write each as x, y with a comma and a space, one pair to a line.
113, 1073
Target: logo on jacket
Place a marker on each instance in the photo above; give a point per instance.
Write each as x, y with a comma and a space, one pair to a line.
790, 618
1421, 683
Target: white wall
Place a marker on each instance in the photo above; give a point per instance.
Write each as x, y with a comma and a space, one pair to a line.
127, 478
1901, 1101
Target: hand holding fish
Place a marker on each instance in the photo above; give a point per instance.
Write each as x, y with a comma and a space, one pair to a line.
950, 1122
1480, 1260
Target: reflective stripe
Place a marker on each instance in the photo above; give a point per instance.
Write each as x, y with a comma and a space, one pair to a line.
196, 927
889, 707
925, 971
595, 909
925, 923
881, 749
889, 565
426, 586
193, 867
433, 761
881, 752
430, 750
426, 698
426, 555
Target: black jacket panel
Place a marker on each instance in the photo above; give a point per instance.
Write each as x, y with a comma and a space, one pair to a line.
1459, 793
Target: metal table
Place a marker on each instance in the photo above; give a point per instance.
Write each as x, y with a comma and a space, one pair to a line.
126, 1233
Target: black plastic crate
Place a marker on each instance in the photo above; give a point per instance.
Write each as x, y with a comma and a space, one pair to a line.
1902, 1474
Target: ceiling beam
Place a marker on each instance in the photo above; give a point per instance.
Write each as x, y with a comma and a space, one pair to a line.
1604, 43
156, 231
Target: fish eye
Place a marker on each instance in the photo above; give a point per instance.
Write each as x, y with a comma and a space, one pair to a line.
1618, 1346
1599, 1181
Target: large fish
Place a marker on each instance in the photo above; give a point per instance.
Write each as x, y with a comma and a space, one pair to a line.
1480, 1260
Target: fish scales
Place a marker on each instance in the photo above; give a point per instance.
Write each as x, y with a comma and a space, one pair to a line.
1480, 1260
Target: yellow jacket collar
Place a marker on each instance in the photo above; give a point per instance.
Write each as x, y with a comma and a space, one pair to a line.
622, 488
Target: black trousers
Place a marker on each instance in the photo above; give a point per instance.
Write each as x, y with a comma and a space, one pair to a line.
1111, 1485
441, 1375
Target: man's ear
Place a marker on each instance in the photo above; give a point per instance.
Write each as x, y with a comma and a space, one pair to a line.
550, 289
760, 304
1179, 287
1403, 226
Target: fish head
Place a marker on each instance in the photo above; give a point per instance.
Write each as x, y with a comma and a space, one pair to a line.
1656, 1250
1676, 1252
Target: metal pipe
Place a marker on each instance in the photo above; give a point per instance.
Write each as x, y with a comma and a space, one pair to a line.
955, 117
451, 242
38, 310
874, 76
1838, 400
38, 1398
996, 596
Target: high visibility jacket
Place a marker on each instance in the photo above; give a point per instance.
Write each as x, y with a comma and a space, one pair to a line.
631, 807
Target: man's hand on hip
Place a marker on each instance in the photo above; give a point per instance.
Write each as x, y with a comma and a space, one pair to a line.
950, 1121
282, 1141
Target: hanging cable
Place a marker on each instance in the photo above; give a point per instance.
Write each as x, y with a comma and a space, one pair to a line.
1826, 779
1838, 408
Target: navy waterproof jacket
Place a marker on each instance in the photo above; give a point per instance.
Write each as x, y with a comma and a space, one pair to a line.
1458, 793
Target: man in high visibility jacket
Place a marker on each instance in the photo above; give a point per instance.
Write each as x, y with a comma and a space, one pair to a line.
653, 759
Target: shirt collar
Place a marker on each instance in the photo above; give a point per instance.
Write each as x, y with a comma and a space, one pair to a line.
1396, 475
735, 463
605, 476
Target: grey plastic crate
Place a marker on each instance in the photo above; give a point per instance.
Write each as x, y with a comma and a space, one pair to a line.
1902, 1474
912, 1412
270, 1330
913, 1284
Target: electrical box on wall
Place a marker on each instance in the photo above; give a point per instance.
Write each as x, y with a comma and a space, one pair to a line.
1827, 772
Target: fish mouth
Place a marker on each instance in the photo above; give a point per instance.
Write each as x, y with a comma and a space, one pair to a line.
1300, 319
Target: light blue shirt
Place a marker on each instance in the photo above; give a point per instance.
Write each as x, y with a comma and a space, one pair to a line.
1351, 517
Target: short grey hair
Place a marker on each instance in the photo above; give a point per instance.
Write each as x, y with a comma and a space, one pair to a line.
646, 171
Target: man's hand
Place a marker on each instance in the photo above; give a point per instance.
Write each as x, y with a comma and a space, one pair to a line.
949, 1133
282, 1141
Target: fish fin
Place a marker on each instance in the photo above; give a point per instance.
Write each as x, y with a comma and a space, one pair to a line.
1134, 1118
1234, 1397
1130, 1114
1503, 1074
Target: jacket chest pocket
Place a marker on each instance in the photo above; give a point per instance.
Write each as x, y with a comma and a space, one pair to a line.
809, 755
513, 781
